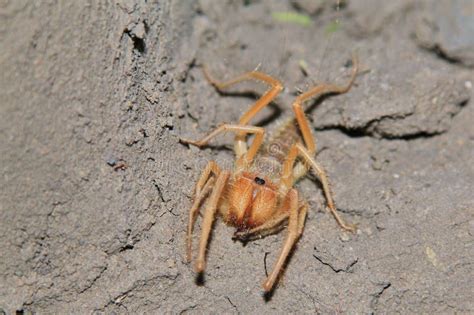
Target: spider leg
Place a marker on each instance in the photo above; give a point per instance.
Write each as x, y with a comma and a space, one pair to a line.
294, 227
248, 157
276, 88
208, 219
240, 146
302, 217
292, 172
203, 187
317, 91
211, 169
287, 179
308, 158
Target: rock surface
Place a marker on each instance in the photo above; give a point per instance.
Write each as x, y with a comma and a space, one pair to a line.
446, 28
96, 188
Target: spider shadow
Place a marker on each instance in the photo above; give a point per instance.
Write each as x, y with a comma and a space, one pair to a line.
200, 279
315, 103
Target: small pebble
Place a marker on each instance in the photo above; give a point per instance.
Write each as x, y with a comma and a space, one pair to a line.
171, 263
344, 237
112, 161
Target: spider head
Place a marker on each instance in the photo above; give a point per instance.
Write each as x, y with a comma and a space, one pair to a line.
252, 200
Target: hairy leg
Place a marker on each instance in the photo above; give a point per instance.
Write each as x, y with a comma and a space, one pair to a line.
291, 238
208, 219
246, 159
202, 189
321, 174
316, 92
240, 147
302, 218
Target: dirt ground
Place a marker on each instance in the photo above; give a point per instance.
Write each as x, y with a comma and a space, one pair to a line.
96, 188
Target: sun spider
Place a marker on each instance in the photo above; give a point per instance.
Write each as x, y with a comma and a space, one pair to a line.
257, 196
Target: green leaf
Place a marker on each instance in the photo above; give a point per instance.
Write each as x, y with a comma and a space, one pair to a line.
292, 17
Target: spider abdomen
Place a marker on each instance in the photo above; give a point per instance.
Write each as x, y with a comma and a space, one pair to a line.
270, 159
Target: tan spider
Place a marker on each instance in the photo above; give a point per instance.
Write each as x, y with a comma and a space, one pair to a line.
258, 197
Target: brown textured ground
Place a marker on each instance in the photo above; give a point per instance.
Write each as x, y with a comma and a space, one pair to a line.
83, 86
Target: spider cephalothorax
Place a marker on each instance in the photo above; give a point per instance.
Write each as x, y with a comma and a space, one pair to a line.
258, 197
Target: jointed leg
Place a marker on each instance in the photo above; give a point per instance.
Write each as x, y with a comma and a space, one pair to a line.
287, 180
208, 219
263, 101
302, 217
203, 187
317, 92
291, 173
276, 87
300, 170
307, 156
248, 157
211, 169
294, 226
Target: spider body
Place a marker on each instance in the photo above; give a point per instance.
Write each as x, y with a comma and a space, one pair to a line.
270, 159
257, 197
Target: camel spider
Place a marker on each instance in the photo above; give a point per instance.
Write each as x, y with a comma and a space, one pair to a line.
258, 197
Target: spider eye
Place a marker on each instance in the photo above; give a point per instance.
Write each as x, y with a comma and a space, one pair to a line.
259, 181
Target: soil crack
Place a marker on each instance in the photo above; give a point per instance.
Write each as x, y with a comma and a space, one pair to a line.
346, 269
